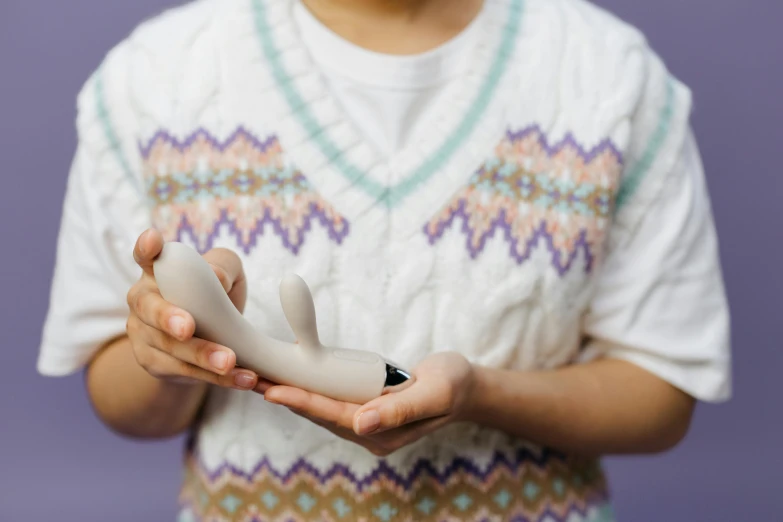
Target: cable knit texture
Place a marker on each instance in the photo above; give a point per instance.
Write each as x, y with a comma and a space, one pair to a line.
486, 236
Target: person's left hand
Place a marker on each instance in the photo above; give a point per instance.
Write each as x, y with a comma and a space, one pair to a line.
438, 396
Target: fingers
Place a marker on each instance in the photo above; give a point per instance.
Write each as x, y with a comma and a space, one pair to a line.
391, 441
313, 405
227, 266
339, 418
381, 444
417, 403
377, 446
385, 413
263, 385
148, 247
197, 352
228, 269
146, 303
162, 334
165, 366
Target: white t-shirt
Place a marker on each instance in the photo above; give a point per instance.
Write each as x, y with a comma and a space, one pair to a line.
388, 97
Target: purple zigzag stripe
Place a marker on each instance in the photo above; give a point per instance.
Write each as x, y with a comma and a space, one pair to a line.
500, 222
315, 213
203, 133
547, 515
568, 140
383, 470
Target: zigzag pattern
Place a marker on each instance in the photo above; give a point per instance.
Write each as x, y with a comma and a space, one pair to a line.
568, 142
525, 488
201, 184
539, 459
560, 195
292, 236
240, 135
519, 248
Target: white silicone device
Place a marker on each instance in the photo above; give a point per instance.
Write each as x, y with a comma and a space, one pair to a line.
186, 280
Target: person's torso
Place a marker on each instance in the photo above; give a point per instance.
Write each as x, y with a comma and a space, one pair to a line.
483, 235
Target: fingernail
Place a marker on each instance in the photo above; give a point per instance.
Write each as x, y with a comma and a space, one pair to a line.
218, 360
177, 325
368, 422
244, 380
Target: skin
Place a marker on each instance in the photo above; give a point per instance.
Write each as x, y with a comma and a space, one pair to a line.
152, 382
605, 407
396, 26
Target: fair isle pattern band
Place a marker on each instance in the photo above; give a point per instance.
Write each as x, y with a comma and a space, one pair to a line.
200, 185
390, 196
526, 488
533, 193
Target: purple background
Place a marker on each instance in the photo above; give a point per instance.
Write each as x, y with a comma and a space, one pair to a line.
58, 463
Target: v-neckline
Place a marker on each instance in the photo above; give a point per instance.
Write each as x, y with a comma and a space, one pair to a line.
342, 165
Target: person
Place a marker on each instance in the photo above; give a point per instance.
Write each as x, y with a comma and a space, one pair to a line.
504, 196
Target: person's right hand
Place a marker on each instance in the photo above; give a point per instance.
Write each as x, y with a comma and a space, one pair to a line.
162, 334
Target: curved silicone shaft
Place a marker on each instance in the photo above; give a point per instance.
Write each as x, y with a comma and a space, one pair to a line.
187, 281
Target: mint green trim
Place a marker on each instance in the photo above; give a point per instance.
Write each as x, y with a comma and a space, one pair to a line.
299, 107
640, 169
109, 132
389, 196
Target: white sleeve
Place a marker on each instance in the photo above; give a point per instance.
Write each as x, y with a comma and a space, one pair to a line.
660, 301
103, 213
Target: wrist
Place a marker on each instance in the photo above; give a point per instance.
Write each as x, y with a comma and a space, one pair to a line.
476, 391
131, 401
171, 407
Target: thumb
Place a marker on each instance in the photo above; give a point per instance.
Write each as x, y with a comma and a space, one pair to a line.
148, 247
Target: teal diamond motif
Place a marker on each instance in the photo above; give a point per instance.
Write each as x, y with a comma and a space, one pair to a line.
531, 490
203, 498
463, 502
385, 512
186, 515
426, 505
559, 486
231, 503
341, 507
270, 500
305, 502
503, 498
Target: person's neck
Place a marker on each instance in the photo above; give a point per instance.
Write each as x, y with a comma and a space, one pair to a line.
395, 26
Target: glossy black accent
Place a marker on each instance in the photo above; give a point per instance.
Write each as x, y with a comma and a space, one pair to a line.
395, 376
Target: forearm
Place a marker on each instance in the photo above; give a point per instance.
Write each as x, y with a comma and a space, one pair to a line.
132, 402
603, 407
